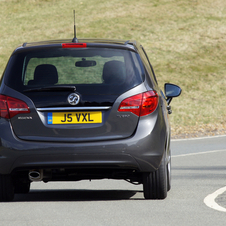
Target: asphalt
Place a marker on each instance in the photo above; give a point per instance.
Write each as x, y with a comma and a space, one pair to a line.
192, 146
221, 200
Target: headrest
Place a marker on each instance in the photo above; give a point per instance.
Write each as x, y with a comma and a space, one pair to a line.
114, 72
45, 74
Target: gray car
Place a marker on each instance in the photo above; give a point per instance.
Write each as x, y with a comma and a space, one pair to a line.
84, 110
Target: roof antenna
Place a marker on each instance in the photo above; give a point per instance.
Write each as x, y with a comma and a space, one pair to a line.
75, 38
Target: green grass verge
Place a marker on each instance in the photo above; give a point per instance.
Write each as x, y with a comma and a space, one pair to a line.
185, 41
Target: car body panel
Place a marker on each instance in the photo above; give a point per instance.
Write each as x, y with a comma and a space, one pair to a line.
142, 154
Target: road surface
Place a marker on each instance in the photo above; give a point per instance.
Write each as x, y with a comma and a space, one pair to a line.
198, 172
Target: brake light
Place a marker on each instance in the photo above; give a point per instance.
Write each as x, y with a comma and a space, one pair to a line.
9, 107
141, 104
74, 45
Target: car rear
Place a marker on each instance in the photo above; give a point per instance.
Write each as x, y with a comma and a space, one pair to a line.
72, 111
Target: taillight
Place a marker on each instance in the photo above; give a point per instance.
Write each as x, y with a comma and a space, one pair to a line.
74, 45
132, 104
3, 107
141, 104
9, 107
149, 103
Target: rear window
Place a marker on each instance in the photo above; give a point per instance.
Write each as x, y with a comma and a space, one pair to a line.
110, 70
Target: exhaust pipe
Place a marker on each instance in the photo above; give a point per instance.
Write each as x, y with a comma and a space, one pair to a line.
35, 175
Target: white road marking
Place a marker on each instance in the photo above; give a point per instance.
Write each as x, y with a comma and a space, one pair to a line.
210, 200
198, 153
197, 138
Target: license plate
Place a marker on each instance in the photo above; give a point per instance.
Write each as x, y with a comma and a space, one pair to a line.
74, 117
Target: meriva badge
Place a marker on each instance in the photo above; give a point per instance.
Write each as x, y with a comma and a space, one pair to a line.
73, 99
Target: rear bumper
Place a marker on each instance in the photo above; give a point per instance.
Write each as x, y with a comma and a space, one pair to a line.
142, 152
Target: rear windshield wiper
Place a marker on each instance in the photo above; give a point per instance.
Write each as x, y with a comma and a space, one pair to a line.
52, 88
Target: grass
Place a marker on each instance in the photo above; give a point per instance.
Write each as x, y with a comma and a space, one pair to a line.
185, 41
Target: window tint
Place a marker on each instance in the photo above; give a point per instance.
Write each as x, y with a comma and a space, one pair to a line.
111, 70
68, 72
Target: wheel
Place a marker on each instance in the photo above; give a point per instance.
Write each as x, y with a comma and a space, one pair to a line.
155, 183
6, 188
22, 187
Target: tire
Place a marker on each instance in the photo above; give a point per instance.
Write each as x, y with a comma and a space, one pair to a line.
6, 188
168, 167
155, 183
22, 188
